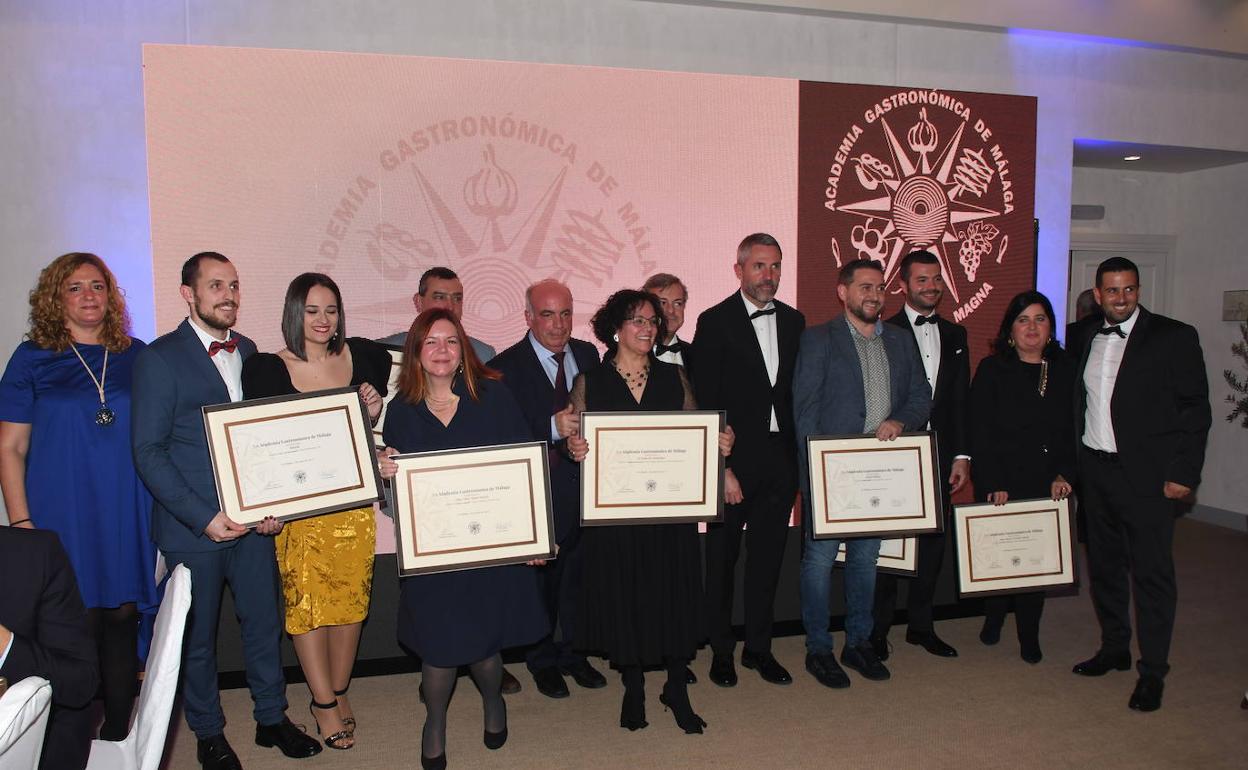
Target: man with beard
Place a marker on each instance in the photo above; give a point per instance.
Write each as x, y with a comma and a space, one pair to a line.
947, 367
855, 374
1142, 411
672, 296
198, 364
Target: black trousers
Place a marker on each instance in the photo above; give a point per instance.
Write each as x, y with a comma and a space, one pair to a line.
769, 497
560, 583
1130, 553
922, 593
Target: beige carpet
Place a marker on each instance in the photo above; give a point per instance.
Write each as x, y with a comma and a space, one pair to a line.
985, 708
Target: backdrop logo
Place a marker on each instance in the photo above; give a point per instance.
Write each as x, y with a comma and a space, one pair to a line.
920, 171
502, 201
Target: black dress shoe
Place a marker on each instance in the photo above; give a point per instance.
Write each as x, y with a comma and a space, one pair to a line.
495, 741
585, 675
292, 741
550, 683
861, 658
690, 677
433, 763
767, 667
723, 672
1030, 652
880, 646
824, 668
929, 641
1147, 694
215, 753
990, 634
511, 685
1103, 662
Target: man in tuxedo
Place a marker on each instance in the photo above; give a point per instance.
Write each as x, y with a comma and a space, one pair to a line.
198, 364
540, 370
1142, 412
947, 368
43, 632
672, 296
744, 350
855, 374
440, 287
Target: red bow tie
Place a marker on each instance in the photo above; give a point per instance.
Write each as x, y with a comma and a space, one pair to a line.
228, 346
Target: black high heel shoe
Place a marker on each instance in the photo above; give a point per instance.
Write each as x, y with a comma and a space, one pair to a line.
433, 763
633, 709
678, 702
347, 722
340, 740
990, 634
496, 740
1030, 651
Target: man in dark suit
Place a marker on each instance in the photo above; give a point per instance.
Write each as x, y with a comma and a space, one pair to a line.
1142, 412
947, 368
43, 632
855, 374
540, 370
744, 350
672, 296
198, 364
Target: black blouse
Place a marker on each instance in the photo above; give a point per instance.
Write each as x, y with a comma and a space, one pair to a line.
265, 374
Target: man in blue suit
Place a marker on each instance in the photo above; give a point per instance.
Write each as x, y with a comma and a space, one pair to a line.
854, 374
198, 364
540, 370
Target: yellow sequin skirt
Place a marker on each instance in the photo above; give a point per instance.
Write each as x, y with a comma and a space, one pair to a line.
326, 564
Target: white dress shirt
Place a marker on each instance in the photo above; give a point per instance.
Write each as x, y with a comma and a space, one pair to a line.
928, 337
551, 367
673, 356
1099, 376
769, 343
229, 365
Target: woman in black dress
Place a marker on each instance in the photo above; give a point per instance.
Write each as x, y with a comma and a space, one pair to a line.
447, 399
642, 592
1022, 436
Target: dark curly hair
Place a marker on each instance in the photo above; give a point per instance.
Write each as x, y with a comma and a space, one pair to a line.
1001, 345
620, 307
47, 311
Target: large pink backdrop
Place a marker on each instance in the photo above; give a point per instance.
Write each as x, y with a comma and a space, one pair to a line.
373, 168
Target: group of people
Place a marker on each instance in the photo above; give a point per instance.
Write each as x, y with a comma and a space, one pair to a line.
102, 441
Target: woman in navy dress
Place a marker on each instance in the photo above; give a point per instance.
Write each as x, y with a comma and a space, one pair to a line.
447, 399
65, 461
642, 600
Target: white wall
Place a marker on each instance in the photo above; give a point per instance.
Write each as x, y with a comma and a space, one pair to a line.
1136, 202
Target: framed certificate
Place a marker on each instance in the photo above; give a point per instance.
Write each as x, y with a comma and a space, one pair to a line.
290, 457
1023, 545
863, 487
392, 387
652, 467
477, 507
898, 556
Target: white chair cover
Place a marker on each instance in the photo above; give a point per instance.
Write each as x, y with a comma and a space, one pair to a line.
23, 722
144, 747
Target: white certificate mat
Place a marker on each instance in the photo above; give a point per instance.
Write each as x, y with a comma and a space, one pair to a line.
392, 388
476, 507
898, 556
861, 486
1023, 545
651, 467
290, 457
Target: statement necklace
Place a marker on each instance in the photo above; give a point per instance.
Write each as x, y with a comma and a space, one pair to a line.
1044, 376
104, 415
634, 379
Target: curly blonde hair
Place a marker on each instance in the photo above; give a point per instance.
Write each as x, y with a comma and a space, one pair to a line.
47, 312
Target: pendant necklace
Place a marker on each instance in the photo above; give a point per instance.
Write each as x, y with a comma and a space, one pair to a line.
104, 415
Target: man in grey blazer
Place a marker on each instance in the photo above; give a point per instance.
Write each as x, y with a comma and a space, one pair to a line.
440, 287
854, 374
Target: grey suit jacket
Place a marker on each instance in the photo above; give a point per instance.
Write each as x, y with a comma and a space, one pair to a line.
484, 352
828, 395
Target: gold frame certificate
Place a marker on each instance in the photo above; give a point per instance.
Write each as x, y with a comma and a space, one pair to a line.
476, 507
291, 457
652, 468
1023, 545
863, 487
898, 556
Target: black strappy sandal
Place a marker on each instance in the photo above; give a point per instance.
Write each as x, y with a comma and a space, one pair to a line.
341, 740
347, 722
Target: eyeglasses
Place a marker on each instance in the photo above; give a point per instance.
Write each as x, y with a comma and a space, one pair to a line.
642, 321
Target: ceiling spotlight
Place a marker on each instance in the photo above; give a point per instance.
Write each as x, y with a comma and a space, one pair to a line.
1131, 157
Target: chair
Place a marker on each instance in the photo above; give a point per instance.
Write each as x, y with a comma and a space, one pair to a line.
24, 713
144, 747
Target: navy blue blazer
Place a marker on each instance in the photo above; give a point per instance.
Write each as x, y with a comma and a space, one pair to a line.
173, 379
524, 376
828, 394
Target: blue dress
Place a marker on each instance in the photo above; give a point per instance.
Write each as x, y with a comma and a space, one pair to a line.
80, 478
455, 618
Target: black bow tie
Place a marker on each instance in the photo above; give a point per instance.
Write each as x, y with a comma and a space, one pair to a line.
1108, 330
928, 319
675, 347
758, 313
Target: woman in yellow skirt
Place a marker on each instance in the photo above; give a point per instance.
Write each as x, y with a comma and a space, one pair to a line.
326, 562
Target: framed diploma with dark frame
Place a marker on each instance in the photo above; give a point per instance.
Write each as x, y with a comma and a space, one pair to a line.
863, 487
1022, 545
291, 457
898, 556
477, 507
652, 468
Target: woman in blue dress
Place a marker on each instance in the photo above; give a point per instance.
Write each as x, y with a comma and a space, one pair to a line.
65, 461
447, 399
